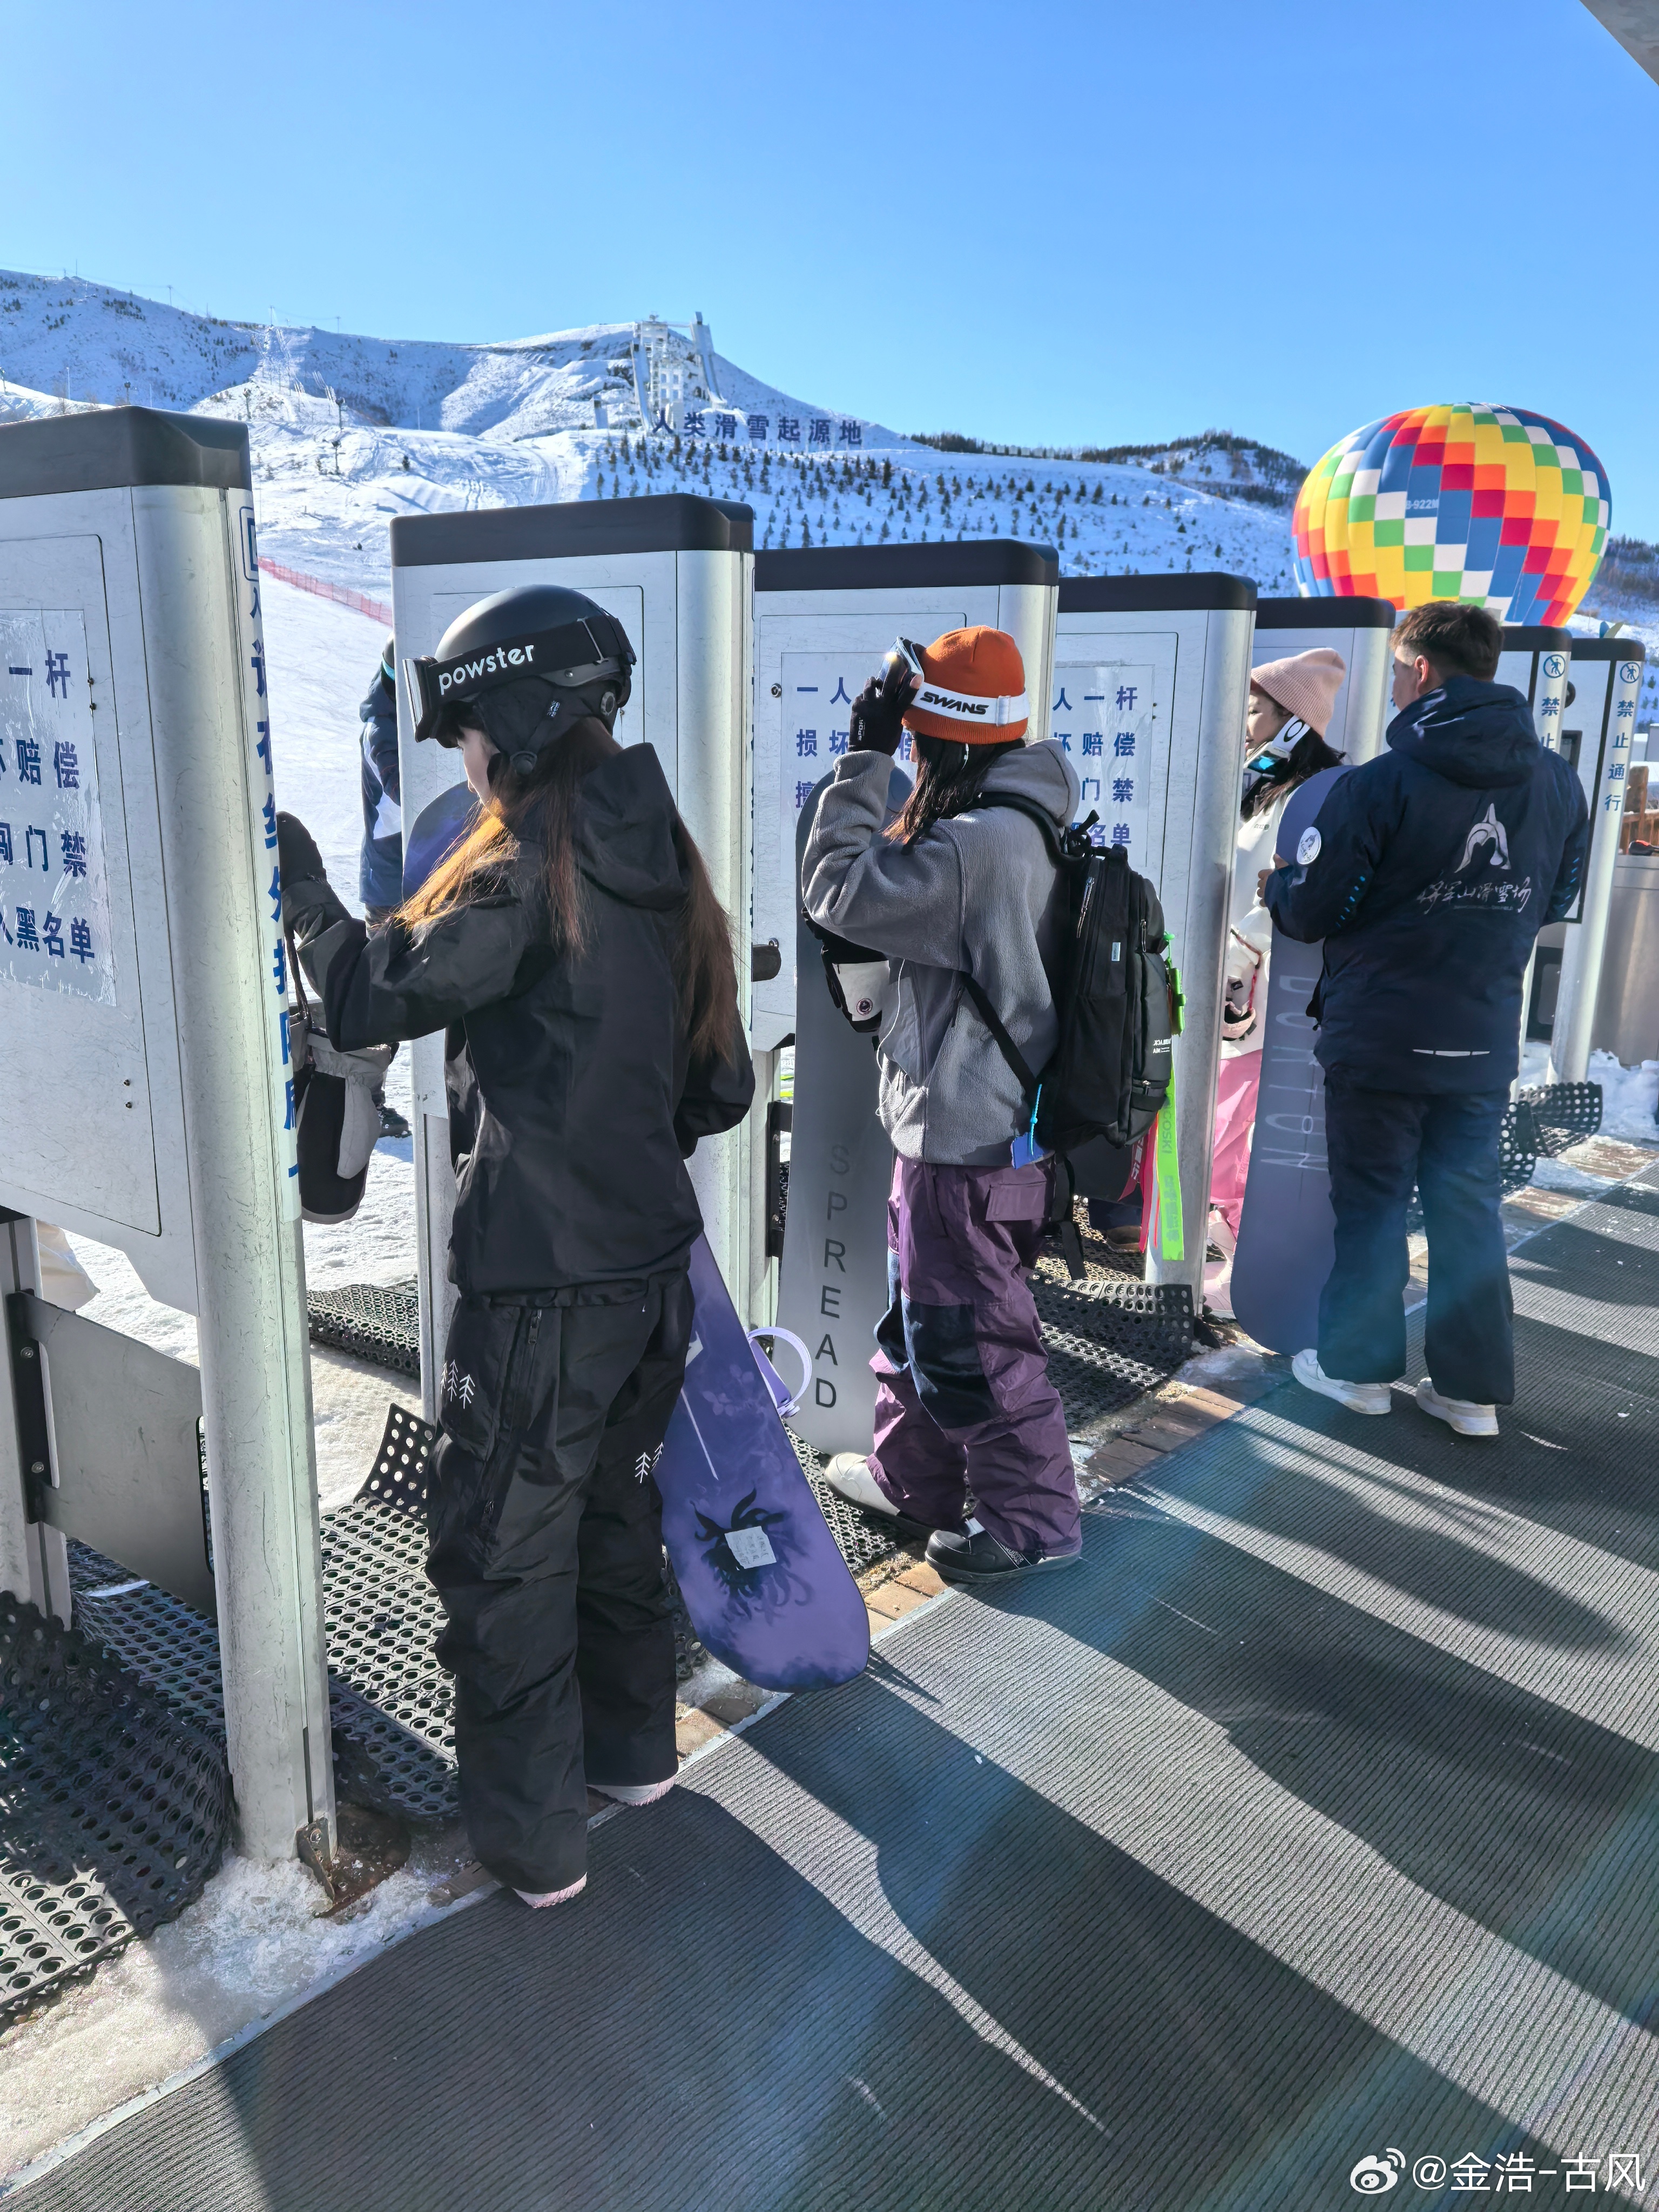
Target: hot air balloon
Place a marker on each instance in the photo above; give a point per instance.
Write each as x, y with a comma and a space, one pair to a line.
1486, 504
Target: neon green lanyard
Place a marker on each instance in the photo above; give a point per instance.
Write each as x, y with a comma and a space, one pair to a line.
1168, 1238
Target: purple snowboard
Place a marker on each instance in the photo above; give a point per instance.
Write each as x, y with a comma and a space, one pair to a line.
1286, 1231
766, 1589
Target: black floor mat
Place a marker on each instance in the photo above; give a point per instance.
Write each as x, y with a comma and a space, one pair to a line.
1309, 1821
114, 1811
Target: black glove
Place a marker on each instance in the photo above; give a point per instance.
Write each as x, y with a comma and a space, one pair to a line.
310, 905
877, 719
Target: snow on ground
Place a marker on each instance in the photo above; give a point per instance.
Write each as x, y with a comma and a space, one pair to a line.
1629, 1098
254, 1943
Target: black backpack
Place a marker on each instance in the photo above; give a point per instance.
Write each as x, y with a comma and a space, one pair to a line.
1117, 995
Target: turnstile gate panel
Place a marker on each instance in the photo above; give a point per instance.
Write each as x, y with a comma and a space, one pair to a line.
1155, 673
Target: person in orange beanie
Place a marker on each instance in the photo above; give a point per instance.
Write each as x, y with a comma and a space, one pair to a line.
948, 888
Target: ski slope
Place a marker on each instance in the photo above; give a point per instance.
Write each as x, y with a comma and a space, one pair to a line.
348, 431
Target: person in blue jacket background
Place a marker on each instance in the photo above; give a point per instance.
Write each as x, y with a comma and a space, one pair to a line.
380, 869
381, 872
1428, 872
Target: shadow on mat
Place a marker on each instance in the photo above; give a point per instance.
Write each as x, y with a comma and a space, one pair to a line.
1534, 1823
1240, 1470
1577, 1260
702, 2029
1221, 2075
1566, 1459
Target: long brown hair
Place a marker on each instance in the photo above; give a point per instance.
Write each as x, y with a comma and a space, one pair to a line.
947, 782
704, 975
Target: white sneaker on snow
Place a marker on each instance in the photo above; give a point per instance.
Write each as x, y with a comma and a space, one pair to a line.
1462, 1416
1358, 1397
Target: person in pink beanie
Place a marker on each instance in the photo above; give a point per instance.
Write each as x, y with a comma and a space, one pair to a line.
1289, 710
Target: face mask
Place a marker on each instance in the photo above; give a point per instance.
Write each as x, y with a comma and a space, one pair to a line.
1272, 763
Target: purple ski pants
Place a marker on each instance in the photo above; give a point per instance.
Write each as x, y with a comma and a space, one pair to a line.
964, 1399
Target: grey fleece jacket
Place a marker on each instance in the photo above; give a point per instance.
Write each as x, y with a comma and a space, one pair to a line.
978, 892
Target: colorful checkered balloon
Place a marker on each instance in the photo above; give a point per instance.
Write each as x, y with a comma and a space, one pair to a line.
1490, 505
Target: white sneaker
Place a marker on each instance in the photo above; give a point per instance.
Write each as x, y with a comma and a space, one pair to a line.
1461, 1415
634, 1793
848, 1475
1358, 1397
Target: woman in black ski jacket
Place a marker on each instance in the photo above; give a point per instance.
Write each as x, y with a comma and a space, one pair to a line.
574, 952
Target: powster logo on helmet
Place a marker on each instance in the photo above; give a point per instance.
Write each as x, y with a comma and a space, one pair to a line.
525, 663
974, 691
470, 672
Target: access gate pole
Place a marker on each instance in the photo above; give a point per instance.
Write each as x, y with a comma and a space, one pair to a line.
210, 722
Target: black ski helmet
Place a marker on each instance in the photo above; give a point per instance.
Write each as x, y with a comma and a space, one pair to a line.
525, 663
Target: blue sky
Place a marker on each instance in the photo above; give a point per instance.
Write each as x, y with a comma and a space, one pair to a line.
1047, 223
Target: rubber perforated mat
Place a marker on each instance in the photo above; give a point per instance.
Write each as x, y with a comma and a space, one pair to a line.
1310, 1822
1110, 1340
113, 1812
378, 1322
1562, 1114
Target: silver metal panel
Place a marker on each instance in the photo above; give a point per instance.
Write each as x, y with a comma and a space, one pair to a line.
204, 657
89, 1083
178, 1148
1201, 661
1540, 673
832, 1280
1603, 714
125, 1473
1627, 1002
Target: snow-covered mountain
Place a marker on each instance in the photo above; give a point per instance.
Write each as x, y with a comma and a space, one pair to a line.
348, 431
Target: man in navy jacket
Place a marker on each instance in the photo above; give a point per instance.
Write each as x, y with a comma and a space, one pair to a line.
1428, 872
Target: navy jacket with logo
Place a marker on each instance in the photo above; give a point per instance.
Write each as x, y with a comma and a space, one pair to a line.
380, 874
1436, 867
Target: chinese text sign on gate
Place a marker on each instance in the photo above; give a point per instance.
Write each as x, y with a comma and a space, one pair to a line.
54, 889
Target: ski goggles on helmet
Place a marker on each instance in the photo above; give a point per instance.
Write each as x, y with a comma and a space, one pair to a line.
576, 653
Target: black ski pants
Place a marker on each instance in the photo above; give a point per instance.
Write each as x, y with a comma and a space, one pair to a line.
546, 1549
1380, 1144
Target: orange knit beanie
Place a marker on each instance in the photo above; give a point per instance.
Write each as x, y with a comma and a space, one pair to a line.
974, 692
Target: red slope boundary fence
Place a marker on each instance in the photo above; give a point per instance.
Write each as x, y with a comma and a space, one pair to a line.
376, 609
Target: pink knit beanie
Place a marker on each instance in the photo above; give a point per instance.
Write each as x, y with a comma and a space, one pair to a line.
1307, 685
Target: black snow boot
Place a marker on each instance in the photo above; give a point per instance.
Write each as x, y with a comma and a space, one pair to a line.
973, 1554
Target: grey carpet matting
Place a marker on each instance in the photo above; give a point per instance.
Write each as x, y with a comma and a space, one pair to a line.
1313, 1817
